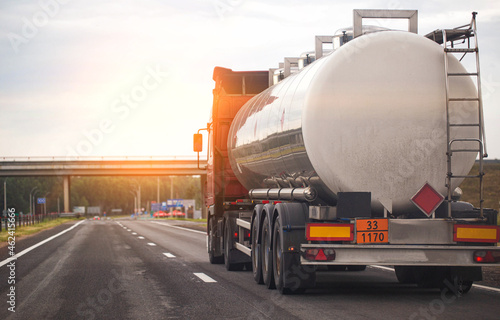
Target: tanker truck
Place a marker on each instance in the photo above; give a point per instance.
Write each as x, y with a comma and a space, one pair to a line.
350, 156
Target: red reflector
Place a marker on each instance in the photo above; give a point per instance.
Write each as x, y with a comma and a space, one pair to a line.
276, 202
427, 199
236, 234
321, 255
239, 200
486, 256
265, 201
248, 235
233, 203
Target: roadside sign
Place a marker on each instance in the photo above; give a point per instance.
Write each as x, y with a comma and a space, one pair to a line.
40, 200
174, 203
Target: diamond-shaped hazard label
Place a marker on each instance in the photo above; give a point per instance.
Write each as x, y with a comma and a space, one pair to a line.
427, 199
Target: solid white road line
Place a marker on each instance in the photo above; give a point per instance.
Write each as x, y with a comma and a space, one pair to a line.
22, 253
140, 237
383, 268
151, 244
204, 277
486, 288
169, 255
181, 228
497, 290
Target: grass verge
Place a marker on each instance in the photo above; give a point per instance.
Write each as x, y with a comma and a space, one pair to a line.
27, 230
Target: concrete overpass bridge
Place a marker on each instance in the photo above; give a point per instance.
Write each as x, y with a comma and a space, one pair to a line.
66, 167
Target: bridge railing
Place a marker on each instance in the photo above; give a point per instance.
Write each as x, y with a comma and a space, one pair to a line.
97, 158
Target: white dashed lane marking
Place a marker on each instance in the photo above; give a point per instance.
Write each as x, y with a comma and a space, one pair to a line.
169, 255
151, 244
180, 228
204, 277
140, 237
134, 233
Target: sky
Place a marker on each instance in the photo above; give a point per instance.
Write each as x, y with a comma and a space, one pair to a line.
134, 78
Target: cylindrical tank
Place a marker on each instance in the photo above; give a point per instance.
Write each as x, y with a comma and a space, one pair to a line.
369, 117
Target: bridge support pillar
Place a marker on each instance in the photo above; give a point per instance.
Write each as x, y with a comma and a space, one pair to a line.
203, 181
66, 190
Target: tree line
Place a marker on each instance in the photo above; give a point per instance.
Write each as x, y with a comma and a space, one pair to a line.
113, 192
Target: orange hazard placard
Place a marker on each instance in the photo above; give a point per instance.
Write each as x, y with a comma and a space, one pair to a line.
372, 231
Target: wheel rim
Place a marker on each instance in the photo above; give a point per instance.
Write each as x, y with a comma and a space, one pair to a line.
210, 236
265, 243
255, 255
278, 250
228, 241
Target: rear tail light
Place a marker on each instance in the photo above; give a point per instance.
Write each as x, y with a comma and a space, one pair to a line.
486, 256
322, 254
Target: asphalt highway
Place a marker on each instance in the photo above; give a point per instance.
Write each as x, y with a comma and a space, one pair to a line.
127, 269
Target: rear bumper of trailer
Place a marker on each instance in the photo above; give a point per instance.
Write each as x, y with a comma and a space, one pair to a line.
394, 255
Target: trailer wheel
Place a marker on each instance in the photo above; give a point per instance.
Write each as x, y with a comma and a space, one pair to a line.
267, 260
214, 259
405, 274
228, 255
256, 252
356, 268
279, 263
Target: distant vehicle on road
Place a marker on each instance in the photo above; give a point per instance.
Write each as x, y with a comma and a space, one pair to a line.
178, 214
97, 218
161, 214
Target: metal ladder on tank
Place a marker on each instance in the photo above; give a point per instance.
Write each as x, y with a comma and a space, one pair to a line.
463, 33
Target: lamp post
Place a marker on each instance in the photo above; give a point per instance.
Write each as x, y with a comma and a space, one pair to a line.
45, 205
31, 205
158, 190
34, 205
138, 191
135, 201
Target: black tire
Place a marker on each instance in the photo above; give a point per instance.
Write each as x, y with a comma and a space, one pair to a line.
465, 287
405, 274
336, 268
456, 285
278, 259
356, 268
211, 244
256, 252
430, 276
266, 254
228, 244
278, 262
